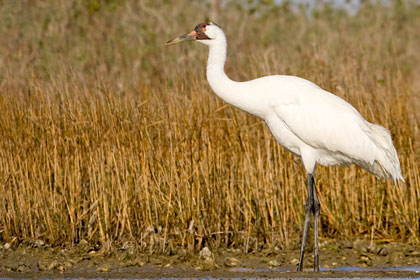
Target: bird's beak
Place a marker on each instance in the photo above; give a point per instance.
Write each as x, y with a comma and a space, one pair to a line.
186, 37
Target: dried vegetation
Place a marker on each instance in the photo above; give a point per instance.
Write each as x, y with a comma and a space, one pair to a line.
108, 136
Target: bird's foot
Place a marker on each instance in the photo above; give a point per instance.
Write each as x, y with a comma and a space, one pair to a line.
299, 266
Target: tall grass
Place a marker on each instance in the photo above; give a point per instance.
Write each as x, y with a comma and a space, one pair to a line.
108, 136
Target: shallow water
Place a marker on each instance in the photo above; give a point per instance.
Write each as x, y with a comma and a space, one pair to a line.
147, 272
343, 268
368, 273
211, 278
358, 268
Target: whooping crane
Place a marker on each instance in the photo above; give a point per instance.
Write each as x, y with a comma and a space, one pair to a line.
310, 122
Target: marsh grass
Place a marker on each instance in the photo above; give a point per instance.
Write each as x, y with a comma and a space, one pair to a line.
105, 135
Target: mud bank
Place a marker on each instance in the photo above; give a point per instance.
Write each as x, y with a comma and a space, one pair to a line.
338, 259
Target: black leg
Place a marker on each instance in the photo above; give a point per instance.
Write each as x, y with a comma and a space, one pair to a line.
309, 209
316, 211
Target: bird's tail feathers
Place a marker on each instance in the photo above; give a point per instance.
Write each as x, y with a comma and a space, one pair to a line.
386, 165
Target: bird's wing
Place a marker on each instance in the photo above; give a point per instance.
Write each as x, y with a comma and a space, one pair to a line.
325, 121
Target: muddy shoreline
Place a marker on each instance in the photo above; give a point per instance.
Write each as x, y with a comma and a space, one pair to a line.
338, 259
146, 273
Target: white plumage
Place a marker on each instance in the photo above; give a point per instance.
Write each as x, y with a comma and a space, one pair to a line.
312, 123
305, 119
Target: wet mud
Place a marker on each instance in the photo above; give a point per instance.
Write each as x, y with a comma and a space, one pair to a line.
338, 259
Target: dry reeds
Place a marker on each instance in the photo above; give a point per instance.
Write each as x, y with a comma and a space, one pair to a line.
105, 135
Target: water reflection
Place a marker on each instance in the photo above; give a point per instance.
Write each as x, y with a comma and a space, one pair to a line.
349, 269
342, 268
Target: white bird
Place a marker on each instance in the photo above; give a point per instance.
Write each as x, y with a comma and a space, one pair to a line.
310, 122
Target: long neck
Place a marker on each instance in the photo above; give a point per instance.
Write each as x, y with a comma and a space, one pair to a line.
221, 84
216, 60
238, 94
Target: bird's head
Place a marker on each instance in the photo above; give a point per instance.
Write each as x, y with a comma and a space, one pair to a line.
205, 33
